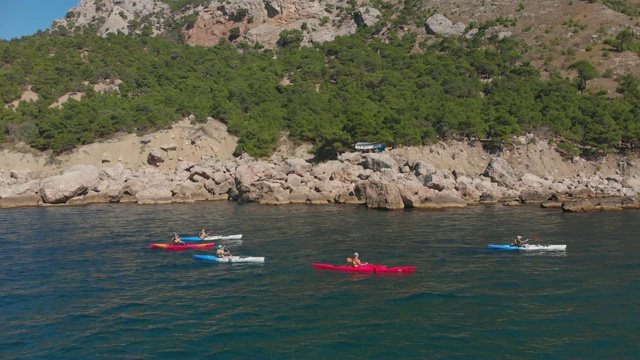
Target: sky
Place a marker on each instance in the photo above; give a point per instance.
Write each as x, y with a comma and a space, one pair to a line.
20, 18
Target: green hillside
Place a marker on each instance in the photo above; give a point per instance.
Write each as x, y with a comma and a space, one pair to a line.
357, 88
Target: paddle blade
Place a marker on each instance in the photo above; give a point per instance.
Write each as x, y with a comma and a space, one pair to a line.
534, 238
349, 259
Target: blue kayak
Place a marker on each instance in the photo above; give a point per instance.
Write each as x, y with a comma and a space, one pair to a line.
529, 247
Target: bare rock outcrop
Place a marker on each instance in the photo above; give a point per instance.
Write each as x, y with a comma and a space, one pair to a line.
75, 182
501, 172
381, 195
438, 24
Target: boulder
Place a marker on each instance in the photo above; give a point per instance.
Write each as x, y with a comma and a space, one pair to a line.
377, 162
381, 195
534, 195
155, 158
296, 166
75, 182
367, 16
438, 24
500, 172
442, 200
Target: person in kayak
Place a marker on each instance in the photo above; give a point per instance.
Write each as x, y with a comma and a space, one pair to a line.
356, 260
221, 253
177, 240
203, 234
518, 241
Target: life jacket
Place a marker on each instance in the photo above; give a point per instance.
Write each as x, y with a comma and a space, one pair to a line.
355, 264
220, 253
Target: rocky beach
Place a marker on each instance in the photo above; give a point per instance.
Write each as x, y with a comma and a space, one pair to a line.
194, 162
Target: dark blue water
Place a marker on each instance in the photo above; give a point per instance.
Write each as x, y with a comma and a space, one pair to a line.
82, 283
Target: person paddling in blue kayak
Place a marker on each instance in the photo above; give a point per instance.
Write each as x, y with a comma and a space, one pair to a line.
356, 260
221, 253
203, 234
518, 241
177, 240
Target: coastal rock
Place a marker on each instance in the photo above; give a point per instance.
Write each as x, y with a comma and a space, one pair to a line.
154, 195
296, 166
377, 162
582, 205
381, 195
500, 172
75, 182
20, 201
187, 191
534, 195
442, 200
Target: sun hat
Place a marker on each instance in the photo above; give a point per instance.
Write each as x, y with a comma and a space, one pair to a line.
519, 237
220, 246
355, 254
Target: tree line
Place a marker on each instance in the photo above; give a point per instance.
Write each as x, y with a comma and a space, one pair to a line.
356, 88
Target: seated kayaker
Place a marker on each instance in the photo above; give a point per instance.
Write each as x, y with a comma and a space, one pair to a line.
356, 260
518, 241
221, 253
177, 240
203, 234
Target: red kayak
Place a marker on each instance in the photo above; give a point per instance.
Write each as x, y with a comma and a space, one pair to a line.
181, 247
371, 268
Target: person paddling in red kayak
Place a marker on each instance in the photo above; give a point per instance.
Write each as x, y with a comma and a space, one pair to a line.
356, 260
177, 240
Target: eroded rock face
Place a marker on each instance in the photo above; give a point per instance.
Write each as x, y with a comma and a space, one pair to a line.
500, 172
372, 179
438, 24
75, 182
381, 195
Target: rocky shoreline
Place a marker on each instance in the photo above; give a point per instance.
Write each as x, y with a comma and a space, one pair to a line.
393, 180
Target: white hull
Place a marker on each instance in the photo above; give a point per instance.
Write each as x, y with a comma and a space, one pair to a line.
235, 259
544, 247
224, 237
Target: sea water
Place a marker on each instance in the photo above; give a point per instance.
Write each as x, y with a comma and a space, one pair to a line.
82, 283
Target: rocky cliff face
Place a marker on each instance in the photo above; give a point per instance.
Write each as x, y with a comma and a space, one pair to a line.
258, 21
551, 26
113, 16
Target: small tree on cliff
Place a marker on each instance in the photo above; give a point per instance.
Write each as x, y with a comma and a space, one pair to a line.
586, 72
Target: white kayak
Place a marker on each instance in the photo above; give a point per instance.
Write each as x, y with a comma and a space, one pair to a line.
235, 259
211, 238
529, 247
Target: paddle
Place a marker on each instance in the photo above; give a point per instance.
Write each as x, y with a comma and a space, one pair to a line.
225, 247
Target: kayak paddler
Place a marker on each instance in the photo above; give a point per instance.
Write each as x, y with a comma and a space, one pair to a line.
203, 234
518, 241
177, 240
221, 253
356, 260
